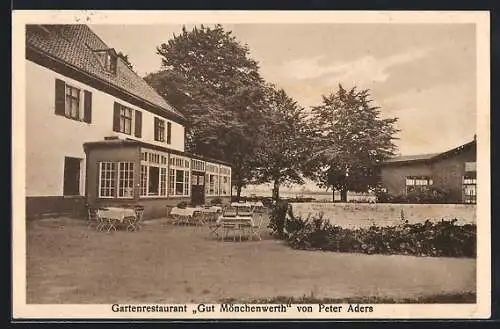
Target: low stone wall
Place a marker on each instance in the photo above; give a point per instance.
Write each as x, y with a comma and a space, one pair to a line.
384, 214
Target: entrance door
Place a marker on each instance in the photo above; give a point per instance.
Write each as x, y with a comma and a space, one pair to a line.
71, 176
197, 187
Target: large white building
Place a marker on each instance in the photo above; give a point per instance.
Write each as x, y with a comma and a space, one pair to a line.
97, 133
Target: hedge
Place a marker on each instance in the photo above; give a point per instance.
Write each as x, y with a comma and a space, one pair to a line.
443, 238
429, 195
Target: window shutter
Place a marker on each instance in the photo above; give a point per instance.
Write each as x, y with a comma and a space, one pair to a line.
169, 132
87, 106
138, 124
116, 117
156, 124
60, 97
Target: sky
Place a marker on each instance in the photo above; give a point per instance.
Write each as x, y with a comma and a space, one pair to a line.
423, 74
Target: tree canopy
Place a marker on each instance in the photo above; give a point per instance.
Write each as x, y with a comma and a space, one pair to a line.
350, 141
233, 115
282, 156
210, 77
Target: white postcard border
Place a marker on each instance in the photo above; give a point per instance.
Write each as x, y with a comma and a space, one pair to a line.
482, 309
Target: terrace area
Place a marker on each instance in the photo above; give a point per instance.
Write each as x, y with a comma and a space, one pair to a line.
164, 263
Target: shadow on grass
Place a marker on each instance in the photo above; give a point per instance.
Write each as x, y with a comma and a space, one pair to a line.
462, 298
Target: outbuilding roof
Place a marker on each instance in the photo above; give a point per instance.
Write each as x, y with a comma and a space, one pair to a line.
430, 156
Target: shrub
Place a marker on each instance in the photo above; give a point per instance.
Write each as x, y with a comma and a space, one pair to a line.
382, 196
216, 201
444, 238
429, 195
182, 204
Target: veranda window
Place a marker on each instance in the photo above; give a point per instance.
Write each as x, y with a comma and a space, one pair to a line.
179, 176
212, 179
116, 179
126, 180
225, 180
153, 173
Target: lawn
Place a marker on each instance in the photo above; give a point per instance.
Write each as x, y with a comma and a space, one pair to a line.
163, 263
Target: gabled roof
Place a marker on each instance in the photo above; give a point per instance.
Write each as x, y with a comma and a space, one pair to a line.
77, 46
429, 157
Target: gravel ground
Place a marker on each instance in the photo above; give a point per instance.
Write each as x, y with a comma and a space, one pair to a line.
70, 263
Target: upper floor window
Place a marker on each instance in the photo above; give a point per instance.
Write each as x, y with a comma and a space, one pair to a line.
72, 107
169, 133
159, 130
127, 120
72, 102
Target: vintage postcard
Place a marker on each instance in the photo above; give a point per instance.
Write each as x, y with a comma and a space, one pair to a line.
251, 165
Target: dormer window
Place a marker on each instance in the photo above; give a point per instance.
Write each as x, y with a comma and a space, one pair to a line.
111, 62
108, 58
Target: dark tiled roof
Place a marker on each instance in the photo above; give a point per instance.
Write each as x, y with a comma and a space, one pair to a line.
430, 156
76, 45
416, 157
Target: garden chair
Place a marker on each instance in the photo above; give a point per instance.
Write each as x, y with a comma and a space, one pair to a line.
139, 214
255, 229
211, 216
110, 224
92, 218
245, 211
226, 222
230, 211
102, 223
227, 225
198, 219
134, 222
214, 228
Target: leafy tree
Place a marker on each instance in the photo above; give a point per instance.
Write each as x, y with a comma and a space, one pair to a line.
350, 141
210, 56
285, 149
126, 60
209, 76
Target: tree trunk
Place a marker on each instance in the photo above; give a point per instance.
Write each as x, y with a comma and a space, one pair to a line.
333, 194
238, 193
276, 190
343, 194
